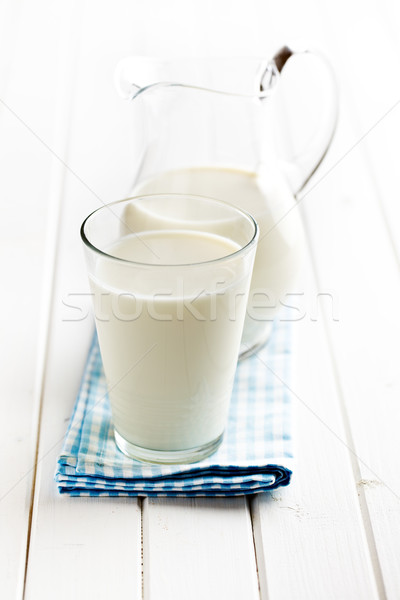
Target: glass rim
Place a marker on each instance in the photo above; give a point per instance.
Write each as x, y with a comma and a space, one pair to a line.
125, 261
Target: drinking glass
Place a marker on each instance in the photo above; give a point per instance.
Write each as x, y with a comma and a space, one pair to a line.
170, 277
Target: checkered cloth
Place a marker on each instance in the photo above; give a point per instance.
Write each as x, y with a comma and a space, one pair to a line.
254, 456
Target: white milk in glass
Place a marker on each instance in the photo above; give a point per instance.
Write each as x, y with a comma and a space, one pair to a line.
280, 248
177, 395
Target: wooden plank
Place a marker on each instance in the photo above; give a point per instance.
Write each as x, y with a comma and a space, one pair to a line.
11, 22
339, 248
354, 256
24, 188
89, 535
195, 548
309, 537
198, 548
372, 91
82, 547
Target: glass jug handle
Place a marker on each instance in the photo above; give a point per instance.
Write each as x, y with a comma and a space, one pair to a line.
312, 156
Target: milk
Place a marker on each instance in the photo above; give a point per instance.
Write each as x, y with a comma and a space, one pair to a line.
280, 247
169, 338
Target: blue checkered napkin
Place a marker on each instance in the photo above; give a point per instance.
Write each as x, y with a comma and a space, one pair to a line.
253, 457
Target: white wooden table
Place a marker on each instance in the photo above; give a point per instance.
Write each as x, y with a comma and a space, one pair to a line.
335, 531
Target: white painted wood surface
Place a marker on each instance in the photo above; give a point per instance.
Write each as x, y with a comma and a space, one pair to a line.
309, 523
198, 548
334, 532
26, 98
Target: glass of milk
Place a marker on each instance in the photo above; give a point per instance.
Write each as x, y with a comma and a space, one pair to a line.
170, 277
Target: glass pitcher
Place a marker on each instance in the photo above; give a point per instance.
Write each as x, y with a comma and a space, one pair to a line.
210, 127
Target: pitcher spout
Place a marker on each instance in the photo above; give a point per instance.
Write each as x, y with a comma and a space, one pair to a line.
255, 78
